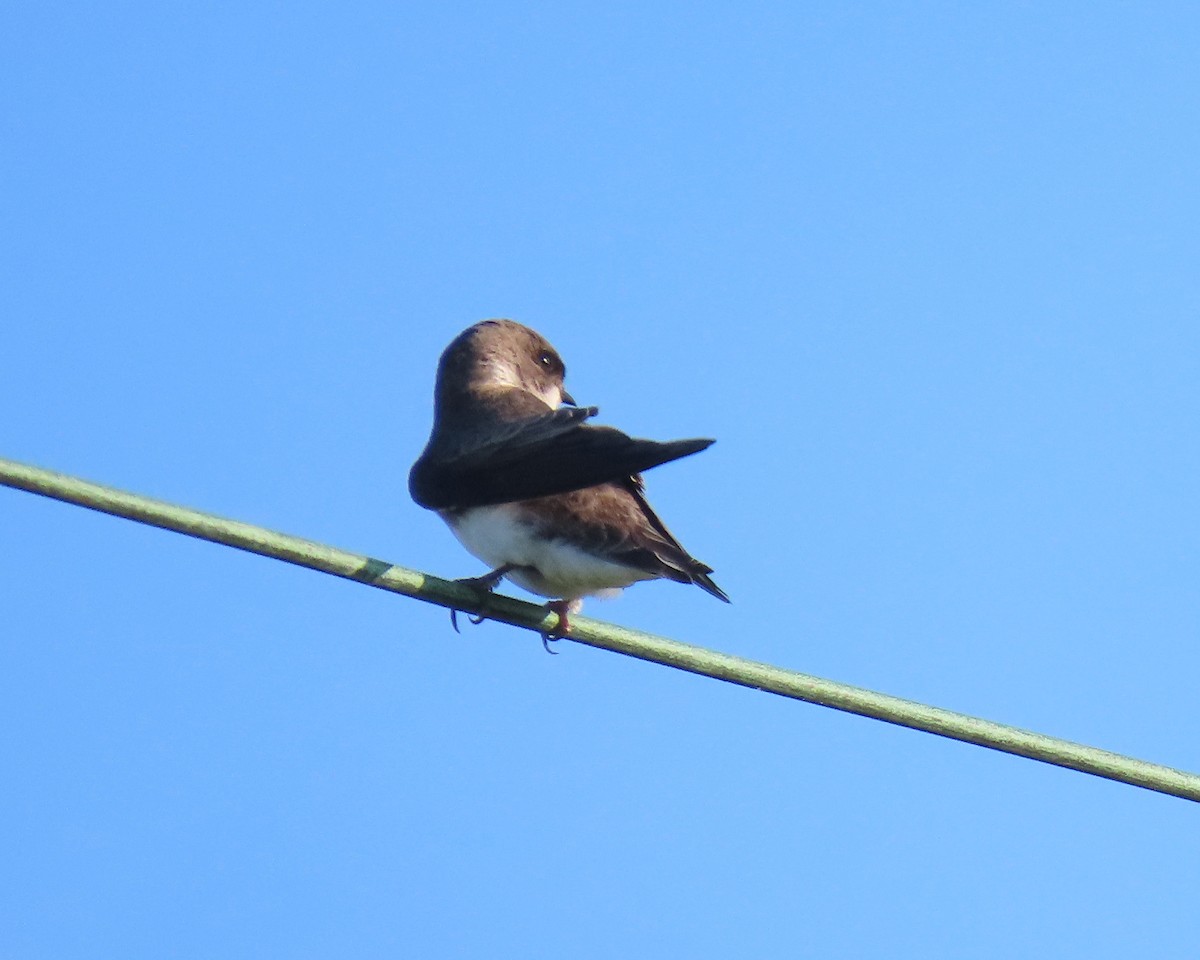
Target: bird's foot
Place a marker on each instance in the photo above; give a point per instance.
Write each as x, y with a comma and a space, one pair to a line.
485, 584
564, 609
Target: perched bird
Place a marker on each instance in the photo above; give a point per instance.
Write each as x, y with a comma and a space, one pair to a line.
554, 504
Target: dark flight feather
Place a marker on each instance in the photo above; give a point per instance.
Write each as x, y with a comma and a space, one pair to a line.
674, 555
535, 457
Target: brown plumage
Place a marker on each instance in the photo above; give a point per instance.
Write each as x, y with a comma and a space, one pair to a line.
550, 501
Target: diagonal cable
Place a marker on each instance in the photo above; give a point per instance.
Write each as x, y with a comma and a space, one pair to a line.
597, 633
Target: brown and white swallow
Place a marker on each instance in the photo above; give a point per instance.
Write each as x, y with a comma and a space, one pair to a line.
554, 504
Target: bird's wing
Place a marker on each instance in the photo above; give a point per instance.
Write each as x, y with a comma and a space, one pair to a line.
554, 452
658, 548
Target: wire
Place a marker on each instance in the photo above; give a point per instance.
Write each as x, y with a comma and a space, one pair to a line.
596, 633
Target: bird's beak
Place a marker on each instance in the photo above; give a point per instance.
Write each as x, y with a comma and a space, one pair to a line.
568, 399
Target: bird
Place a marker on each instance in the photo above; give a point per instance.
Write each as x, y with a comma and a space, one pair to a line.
546, 499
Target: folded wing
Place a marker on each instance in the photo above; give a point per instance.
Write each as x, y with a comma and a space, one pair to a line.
658, 551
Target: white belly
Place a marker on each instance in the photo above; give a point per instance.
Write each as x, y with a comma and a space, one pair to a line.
499, 535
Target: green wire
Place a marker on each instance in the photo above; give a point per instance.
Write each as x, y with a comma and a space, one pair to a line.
596, 633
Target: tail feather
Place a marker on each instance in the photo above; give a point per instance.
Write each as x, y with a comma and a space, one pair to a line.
705, 583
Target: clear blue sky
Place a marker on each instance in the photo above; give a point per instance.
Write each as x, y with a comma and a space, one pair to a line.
927, 271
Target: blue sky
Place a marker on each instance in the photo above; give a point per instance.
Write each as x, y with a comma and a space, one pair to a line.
927, 272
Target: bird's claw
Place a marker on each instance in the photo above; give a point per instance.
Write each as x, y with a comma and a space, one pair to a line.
489, 581
562, 628
475, 618
485, 584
